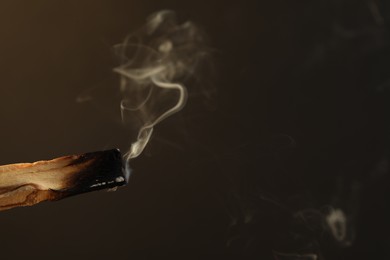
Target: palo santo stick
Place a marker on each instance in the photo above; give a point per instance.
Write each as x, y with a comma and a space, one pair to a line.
25, 184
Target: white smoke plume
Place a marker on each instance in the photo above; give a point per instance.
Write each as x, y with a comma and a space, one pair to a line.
155, 62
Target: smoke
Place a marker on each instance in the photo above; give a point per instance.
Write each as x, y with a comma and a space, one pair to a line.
155, 62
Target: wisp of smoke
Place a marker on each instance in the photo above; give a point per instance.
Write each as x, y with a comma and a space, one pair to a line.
155, 61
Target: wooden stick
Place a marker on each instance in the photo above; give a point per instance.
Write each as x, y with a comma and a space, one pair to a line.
25, 184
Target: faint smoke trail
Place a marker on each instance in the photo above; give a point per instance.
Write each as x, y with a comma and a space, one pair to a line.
154, 63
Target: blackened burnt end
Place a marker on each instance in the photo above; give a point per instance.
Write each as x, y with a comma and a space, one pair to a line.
104, 170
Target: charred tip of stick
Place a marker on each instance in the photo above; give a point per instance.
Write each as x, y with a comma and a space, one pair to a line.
105, 172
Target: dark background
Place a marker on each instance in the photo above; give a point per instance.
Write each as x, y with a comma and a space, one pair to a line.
298, 121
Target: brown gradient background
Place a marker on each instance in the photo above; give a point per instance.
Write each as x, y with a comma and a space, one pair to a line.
297, 106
